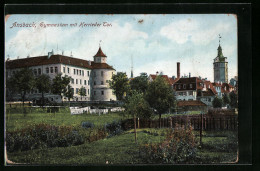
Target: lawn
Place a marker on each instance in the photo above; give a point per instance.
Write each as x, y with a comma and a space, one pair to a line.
16, 120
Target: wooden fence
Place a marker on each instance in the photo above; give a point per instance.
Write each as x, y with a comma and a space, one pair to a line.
205, 121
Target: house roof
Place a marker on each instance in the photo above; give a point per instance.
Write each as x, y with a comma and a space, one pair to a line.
44, 60
100, 53
168, 79
209, 92
101, 66
227, 86
190, 103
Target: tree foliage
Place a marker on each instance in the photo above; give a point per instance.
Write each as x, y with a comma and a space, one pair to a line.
69, 92
120, 85
217, 102
82, 92
160, 95
59, 85
140, 83
43, 84
23, 81
226, 99
233, 99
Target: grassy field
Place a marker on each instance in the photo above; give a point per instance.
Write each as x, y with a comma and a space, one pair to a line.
217, 146
16, 120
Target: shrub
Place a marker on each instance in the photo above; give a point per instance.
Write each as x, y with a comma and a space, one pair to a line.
87, 125
114, 128
179, 146
41, 136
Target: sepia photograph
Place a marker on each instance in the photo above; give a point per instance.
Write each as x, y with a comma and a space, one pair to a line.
121, 89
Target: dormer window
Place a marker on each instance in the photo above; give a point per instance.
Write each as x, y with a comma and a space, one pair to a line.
184, 86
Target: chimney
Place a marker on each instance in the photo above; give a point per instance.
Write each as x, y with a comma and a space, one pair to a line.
49, 54
189, 74
178, 69
157, 73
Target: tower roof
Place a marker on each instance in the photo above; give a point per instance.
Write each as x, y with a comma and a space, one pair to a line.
100, 53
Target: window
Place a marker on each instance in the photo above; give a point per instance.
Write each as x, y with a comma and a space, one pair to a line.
102, 92
64, 69
209, 99
190, 85
94, 93
51, 69
79, 72
77, 90
85, 82
35, 71
101, 73
102, 83
82, 72
85, 91
88, 91
79, 81
190, 93
112, 73
184, 86
56, 69
68, 70
76, 81
72, 81
39, 71
94, 82
72, 89
74, 71
88, 73
88, 82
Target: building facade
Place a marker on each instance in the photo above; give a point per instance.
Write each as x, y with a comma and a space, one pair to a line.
93, 76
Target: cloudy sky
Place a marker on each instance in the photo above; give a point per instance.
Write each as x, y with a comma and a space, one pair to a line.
156, 42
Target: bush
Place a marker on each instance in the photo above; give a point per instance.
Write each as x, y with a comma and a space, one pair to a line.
178, 147
87, 125
41, 136
114, 128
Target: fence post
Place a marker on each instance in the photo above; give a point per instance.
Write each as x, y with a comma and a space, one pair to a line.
201, 127
138, 123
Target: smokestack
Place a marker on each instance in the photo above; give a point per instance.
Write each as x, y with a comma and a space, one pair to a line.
189, 74
178, 69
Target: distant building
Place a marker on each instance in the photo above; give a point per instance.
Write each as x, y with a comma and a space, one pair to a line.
94, 75
220, 65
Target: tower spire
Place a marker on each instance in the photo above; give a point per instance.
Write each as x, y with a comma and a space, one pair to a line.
100, 43
132, 74
219, 39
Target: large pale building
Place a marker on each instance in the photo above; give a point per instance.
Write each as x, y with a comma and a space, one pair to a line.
94, 75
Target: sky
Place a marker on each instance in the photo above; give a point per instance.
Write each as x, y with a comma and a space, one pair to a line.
154, 42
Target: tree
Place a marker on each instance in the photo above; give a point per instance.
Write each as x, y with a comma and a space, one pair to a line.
11, 88
120, 85
160, 96
137, 106
23, 82
82, 92
233, 99
69, 93
140, 83
217, 102
59, 85
225, 99
43, 84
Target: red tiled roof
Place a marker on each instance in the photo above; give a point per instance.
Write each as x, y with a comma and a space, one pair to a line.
209, 92
101, 66
168, 80
100, 53
228, 87
43, 60
190, 103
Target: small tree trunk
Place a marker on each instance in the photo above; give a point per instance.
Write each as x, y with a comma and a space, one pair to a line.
42, 99
160, 123
135, 129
